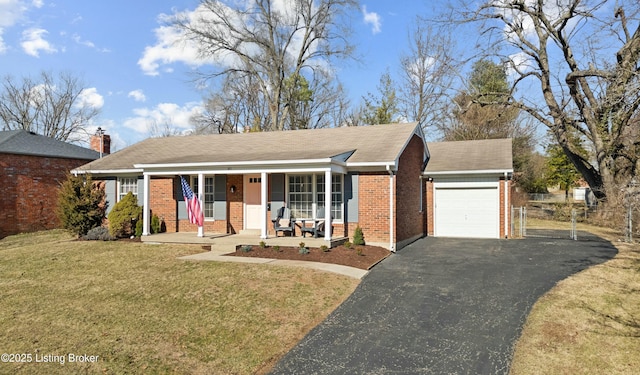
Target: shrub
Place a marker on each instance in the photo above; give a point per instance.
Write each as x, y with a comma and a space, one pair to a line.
276, 248
98, 234
121, 215
139, 228
303, 250
156, 225
245, 248
324, 248
359, 251
358, 237
81, 204
347, 244
263, 244
302, 244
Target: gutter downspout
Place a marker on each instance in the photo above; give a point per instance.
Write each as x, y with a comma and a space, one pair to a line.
392, 245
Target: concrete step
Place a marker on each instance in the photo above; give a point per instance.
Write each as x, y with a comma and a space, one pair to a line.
250, 232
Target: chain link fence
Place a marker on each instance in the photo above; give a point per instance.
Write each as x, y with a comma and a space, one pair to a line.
623, 217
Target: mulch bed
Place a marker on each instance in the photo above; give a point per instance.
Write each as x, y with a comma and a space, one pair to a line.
370, 255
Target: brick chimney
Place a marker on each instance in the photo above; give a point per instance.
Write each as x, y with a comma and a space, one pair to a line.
101, 142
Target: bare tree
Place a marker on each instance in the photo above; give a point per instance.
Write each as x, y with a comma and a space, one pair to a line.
237, 105
428, 75
48, 106
269, 41
575, 64
164, 129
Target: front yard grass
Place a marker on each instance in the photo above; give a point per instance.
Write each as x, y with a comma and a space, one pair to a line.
140, 310
588, 323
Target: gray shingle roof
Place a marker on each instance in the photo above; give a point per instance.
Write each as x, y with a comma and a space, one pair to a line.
368, 144
477, 155
23, 142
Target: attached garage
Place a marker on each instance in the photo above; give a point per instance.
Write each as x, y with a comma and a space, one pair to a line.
467, 187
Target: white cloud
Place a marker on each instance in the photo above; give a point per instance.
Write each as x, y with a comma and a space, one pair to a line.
11, 11
373, 19
3, 47
137, 95
91, 98
520, 62
37, 3
553, 10
33, 42
76, 38
170, 48
164, 113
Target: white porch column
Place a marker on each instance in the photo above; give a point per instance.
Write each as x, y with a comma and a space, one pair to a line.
146, 209
200, 196
263, 204
327, 205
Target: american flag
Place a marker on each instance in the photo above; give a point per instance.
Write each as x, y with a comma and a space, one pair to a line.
194, 211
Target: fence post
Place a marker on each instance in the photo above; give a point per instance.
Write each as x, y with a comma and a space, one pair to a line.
512, 226
574, 217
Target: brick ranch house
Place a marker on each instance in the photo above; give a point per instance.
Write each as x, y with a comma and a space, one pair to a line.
372, 177
32, 167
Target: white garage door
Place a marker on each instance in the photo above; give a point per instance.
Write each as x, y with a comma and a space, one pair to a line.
467, 212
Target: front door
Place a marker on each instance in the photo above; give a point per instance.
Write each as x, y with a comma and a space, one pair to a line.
252, 201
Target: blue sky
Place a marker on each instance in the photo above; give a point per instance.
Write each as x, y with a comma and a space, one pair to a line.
121, 52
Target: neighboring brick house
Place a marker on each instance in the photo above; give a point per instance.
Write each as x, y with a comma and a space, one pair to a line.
32, 167
370, 176
468, 185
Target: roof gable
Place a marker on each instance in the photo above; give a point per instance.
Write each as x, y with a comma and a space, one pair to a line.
368, 144
22, 142
475, 155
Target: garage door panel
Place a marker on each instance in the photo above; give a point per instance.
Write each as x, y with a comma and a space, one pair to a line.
467, 212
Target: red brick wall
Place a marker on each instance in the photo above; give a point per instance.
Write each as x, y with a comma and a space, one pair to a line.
409, 218
373, 206
29, 186
235, 208
162, 201
373, 198
505, 232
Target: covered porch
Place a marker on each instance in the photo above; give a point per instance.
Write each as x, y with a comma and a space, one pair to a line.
243, 197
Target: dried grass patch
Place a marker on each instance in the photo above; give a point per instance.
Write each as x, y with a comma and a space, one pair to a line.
590, 322
143, 311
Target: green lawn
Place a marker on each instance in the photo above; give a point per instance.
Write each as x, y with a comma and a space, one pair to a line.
139, 309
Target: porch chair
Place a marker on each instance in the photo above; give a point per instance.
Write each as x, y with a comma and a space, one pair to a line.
284, 222
318, 227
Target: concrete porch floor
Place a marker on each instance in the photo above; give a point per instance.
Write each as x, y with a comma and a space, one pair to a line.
228, 242
225, 243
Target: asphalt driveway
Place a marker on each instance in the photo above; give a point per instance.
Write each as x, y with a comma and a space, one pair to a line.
441, 306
